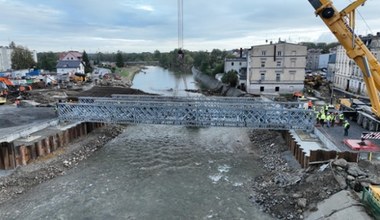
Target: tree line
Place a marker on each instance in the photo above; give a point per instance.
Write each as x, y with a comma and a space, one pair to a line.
209, 62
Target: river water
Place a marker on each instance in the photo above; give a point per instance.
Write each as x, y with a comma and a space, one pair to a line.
157, 80
153, 172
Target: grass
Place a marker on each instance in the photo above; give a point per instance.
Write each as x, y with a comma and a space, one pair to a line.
128, 72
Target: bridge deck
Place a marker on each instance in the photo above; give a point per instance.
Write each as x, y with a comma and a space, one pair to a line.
189, 111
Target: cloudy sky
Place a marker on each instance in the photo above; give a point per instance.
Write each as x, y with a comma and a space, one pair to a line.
147, 25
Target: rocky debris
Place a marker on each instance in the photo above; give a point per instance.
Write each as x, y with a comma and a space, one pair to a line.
24, 178
287, 192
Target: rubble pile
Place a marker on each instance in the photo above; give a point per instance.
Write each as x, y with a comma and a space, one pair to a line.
49, 167
286, 191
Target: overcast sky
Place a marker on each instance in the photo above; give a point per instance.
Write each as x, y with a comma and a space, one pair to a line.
147, 25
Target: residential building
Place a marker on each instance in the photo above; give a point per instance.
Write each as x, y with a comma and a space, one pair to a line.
312, 59
331, 67
348, 76
68, 68
276, 68
5, 58
240, 66
323, 61
343, 69
71, 55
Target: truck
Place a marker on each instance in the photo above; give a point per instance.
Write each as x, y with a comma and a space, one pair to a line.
342, 25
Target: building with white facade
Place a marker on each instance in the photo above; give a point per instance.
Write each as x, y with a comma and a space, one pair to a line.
277, 68
348, 76
5, 58
68, 68
240, 66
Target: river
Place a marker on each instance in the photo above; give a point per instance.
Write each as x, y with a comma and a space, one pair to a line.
161, 81
153, 172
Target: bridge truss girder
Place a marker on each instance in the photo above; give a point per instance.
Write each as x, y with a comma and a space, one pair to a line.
187, 111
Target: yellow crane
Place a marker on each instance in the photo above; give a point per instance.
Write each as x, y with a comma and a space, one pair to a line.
342, 25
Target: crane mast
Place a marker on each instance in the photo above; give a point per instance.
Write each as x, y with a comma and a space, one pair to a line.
342, 25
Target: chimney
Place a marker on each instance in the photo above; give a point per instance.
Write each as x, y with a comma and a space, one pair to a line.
241, 52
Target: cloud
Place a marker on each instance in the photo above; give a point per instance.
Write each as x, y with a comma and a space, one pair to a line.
147, 25
145, 7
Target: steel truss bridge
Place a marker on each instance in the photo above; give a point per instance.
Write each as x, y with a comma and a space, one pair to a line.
189, 111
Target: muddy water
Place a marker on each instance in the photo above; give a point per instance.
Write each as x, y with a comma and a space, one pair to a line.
152, 172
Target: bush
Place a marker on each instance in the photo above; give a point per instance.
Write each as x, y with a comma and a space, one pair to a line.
231, 78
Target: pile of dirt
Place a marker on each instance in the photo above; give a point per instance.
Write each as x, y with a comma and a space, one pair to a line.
48, 167
286, 191
107, 91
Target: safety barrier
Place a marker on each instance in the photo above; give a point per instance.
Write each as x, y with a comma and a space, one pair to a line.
12, 156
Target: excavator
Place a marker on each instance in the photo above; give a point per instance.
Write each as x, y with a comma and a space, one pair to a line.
342, 25
7, 88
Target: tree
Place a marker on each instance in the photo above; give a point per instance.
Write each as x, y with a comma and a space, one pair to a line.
119, 59
87, 64
231, 78
47, 61
22, 58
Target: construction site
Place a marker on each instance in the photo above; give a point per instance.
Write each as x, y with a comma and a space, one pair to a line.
95, 146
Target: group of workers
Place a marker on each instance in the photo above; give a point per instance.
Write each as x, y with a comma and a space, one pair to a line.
324, 116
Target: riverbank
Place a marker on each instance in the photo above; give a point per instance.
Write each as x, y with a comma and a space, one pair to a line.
128, 73
285, 191
24, 178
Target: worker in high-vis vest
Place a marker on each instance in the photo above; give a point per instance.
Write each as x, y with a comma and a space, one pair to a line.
322, 118
341, 118
328, 120
346, 126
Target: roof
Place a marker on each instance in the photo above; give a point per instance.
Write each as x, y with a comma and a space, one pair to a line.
73, 53
68, 64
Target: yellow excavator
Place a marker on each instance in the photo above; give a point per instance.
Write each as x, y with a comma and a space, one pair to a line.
342, 25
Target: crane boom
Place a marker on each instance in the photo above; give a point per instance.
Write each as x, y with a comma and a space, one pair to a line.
342, 25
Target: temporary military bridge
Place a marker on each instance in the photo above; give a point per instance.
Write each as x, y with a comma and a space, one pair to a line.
189, 111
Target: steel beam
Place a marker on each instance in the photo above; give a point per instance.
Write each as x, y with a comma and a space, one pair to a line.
188, 111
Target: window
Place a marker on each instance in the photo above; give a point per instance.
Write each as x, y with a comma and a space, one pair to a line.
279, 53
232, 63
240, 64
261, 88
262, 76
278, 63
294, 52
293, 62
263, 53
277, 89
263, 63
278, 77
292, 75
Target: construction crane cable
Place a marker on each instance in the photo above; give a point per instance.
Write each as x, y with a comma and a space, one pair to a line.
365, 22
180, 24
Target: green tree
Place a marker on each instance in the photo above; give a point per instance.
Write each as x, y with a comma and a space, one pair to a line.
231, 78
87, 64
22, 58
119, 59
47, 61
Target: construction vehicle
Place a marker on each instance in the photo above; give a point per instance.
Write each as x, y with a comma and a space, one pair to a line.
3, 93
342, 25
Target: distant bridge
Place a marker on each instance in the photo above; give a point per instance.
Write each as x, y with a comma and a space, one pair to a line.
189, 111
